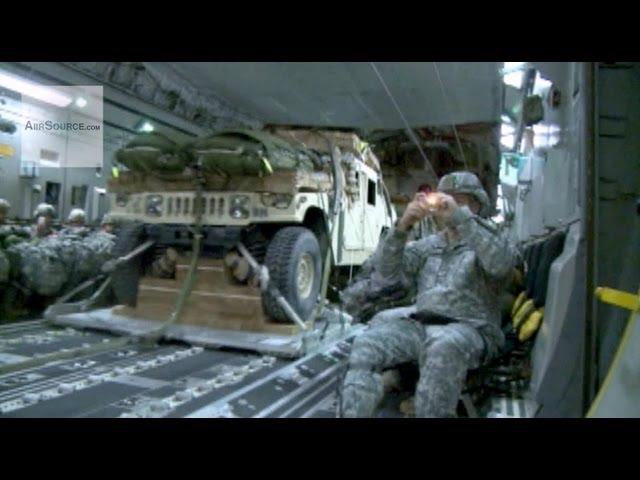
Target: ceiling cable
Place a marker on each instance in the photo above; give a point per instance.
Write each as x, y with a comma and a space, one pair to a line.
408, 128
446, 102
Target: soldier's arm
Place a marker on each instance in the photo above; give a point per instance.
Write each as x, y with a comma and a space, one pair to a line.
495, 252
399, 261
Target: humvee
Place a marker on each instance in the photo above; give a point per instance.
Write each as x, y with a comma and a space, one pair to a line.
297, 204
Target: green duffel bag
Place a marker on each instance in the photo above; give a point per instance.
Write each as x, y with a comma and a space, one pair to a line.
152, 152
247, 152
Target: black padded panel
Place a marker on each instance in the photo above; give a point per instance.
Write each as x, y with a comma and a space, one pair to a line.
533, 264
551, 250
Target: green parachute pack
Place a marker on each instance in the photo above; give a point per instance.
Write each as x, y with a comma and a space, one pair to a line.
226, 153
153, 152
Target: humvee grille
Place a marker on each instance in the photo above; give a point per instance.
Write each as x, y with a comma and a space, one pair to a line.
187, 206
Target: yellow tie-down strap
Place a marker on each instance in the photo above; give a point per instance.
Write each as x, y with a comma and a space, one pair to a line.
618, 298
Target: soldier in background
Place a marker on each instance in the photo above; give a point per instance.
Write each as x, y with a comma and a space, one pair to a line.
77, 218
44, 215
76, 223
108, 224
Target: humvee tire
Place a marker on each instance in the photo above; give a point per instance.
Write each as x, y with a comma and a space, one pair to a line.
295, 268
126, 277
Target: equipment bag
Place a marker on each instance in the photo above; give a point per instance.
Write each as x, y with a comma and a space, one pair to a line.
152, 152
247, 152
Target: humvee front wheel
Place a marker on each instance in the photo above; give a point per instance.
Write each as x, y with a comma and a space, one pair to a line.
295, 267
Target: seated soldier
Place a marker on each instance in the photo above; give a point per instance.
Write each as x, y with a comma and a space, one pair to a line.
454, 325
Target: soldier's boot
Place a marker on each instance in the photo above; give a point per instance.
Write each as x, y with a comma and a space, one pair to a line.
447, 356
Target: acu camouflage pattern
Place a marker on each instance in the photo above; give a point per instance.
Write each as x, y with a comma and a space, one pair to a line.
363, 297
444, 353
52, 265
10, 235
459, 279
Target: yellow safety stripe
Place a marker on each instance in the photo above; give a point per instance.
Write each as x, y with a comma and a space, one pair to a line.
621, 299
618, 298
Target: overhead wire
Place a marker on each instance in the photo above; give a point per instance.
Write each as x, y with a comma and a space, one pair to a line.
447, 105
408, 128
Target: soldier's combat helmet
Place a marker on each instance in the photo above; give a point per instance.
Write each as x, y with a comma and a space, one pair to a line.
108, 219
466, 182
5, 206
77, 215
44, 210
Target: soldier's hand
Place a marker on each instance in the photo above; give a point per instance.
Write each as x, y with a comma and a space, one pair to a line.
416, 210
444, 205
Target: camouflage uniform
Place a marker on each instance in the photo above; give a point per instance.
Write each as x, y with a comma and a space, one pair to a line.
457, 279
51, 265
364, 297
9, 235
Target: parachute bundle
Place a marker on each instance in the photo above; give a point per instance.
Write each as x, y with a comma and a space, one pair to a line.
527, 312
226, 153
153, 152
248, 152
